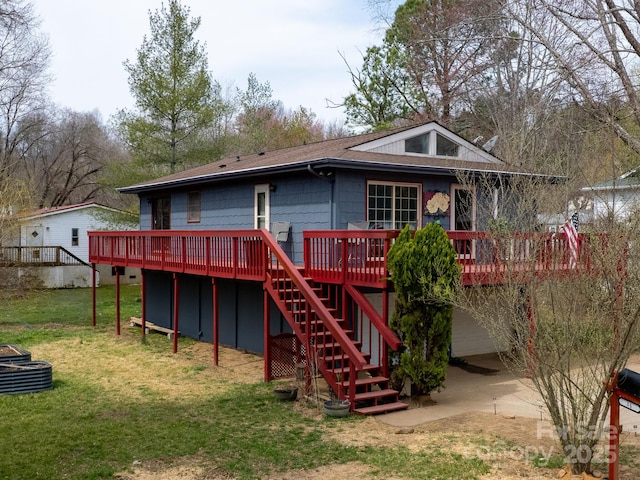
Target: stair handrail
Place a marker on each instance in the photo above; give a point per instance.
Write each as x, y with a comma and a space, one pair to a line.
375, 318
312, 299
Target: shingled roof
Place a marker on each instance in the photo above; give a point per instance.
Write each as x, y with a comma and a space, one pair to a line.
337, 153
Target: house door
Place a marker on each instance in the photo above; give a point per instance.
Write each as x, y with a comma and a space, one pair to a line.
261, 207
463, 217
34, 236
161, 213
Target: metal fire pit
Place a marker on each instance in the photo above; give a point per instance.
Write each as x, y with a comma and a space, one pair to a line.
26, 377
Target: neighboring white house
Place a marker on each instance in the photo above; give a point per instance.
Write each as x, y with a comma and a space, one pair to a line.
617, 198
67, 227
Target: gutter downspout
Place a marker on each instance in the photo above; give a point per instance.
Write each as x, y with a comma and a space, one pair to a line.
332, 223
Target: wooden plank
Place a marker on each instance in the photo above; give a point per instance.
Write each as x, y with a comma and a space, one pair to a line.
152, 326
383, 408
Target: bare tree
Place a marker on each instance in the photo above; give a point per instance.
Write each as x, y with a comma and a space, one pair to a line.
24, 56
568, 323
596, 56
68, 155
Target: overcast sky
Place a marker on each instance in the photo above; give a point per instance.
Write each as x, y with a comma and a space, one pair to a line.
294, 45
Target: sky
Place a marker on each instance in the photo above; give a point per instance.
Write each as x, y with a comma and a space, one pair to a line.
295, 45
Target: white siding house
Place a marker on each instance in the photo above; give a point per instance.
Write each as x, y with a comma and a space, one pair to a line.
618, 198
67, 227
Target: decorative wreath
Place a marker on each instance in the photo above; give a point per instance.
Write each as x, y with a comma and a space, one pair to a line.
438, 203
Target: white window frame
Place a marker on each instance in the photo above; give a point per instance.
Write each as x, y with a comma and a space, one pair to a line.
258, 190
417, 186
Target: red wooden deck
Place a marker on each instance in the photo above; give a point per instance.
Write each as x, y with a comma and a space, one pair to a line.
347, 257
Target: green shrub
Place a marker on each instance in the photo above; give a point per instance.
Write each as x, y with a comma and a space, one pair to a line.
426, 276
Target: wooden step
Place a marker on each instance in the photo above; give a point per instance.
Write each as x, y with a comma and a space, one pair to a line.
346, 370
334, 345
382, 408
366, 381
376, 395
339, 358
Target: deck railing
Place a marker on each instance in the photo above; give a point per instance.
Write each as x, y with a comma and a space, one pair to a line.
354, 257
38, 256
485, 258
222, 253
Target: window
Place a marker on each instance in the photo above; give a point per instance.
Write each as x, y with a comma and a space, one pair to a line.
193, 207
75, 238
161, 213
261, 206
446, 147
419, 144
393, 205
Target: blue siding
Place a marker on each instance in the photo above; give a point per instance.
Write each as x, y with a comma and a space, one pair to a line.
241, 312
159, 298
304, 200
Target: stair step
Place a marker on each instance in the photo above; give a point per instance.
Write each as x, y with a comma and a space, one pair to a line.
382, 408
366, 381
376, 394
339, 358
346, 370
333, 345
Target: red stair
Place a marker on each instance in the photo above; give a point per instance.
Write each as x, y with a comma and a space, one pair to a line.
314, 316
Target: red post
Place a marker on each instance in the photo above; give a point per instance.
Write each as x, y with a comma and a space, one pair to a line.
215, 321
267, 331
117, 300
175, 313
143, 313
614, 437
385, 319
93, 294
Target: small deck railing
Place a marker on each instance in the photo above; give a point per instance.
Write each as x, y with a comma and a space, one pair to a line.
217, 253
38, 256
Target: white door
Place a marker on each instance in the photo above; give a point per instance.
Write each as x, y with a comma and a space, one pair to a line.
261, 206
34, 237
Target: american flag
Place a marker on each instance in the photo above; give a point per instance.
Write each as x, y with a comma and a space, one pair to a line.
570, 229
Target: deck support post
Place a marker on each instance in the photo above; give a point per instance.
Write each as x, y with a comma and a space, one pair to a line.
93, 294
117, 300
385, 320
216, 340
267, 330
143, 297
175, 312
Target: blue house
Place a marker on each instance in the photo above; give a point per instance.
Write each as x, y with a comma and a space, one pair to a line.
283, 253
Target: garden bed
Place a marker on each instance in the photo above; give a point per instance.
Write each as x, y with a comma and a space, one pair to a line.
13, 354
26, 377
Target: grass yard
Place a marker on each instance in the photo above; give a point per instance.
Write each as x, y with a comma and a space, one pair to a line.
127, 410
119, 405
